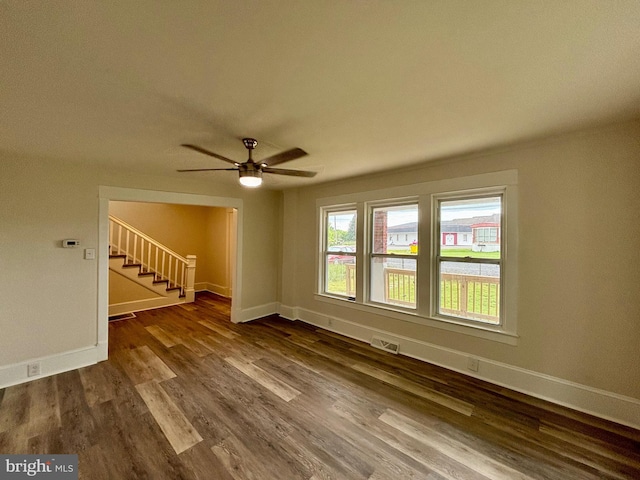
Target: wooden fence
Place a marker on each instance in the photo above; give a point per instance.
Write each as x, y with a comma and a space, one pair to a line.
466, 296
470, 296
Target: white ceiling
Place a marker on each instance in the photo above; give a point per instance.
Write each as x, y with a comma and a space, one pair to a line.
362, 85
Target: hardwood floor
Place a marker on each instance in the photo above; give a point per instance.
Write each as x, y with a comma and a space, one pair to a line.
186, 394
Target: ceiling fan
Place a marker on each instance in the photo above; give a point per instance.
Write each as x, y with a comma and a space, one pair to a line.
250, 171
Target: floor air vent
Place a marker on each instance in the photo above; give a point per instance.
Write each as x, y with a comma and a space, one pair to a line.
385, 345
123, 316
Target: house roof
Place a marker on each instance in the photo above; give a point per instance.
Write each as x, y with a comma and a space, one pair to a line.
485, 224
404, 227
455, 228
361, 86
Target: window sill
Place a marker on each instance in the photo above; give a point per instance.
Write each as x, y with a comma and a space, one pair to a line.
481, 331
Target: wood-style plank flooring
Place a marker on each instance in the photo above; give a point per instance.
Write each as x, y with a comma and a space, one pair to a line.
186, 394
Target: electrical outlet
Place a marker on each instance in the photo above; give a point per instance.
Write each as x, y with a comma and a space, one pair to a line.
473, 364
33, 369
330, 322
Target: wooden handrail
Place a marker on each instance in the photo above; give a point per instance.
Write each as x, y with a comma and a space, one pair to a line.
141, 234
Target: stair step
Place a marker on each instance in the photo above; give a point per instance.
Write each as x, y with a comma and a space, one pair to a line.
125, 262
169, 287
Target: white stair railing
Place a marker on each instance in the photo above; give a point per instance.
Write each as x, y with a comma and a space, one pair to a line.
140, 248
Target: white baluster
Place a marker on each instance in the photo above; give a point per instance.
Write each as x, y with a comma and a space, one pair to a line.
135, 248
142, 242
162, 272
182, 278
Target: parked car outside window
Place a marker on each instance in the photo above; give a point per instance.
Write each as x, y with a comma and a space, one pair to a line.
336, 259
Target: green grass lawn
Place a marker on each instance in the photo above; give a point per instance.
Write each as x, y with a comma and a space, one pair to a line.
467, 252
482, 298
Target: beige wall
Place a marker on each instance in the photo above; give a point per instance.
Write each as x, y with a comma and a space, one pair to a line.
187, 230
49, 295
579, 261
219, 232
123, 290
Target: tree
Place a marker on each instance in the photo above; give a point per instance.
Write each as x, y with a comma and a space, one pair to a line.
332, 237
350, 235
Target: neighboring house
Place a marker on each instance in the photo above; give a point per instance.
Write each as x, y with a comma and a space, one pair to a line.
402, 235
486, 237
455, 235
452, 234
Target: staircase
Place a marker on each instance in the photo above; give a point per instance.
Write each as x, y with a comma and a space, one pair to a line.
148, 263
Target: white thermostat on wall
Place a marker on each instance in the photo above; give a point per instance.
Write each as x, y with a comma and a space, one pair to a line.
70, 243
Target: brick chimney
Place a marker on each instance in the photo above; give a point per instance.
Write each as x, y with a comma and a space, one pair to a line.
380, 231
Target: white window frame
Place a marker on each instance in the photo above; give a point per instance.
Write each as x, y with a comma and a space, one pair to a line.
506, 180
437, 257
325, 212
370, 254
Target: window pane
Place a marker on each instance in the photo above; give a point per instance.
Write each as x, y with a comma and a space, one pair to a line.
471, 227
470, 290
340, 260
341, 275
393, 281
341, 231
395, 230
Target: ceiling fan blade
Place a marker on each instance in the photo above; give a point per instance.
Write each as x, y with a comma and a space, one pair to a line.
284, 157
207, 152
207, 169
293, 173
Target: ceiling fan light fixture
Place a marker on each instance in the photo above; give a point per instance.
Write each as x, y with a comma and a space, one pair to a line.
251, 172
250, 178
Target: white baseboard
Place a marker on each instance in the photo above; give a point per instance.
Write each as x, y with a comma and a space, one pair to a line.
52, 365
213, 288
601, 403
290, 313
253, 313
147, 304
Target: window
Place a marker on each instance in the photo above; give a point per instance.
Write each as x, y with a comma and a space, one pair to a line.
486, 235
393, 279
468, 277
340, 253
441, 253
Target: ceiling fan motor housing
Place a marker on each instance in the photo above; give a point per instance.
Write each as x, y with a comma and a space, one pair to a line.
249, 168
250, 143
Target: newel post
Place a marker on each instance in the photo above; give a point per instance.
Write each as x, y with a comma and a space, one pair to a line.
189, 290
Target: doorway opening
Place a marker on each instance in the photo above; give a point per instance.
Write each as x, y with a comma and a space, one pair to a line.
226, 261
